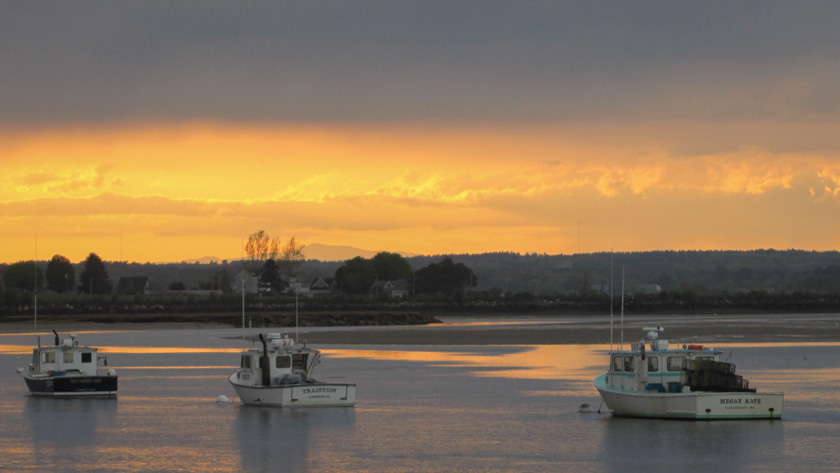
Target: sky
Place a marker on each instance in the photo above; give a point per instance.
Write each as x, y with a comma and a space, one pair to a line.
163, 131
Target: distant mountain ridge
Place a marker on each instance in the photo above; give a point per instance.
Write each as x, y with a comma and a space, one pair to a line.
315, 251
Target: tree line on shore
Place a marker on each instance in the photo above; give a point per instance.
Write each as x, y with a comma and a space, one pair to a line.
760, 280
275, 265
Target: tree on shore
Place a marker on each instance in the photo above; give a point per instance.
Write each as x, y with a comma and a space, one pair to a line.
291, 257
445, 277
262, 247
61, 277
391, 266
24, 276
94, 278
270, 277
356, 276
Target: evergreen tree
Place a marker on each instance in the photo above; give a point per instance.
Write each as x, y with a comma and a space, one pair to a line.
270, 276
94, 278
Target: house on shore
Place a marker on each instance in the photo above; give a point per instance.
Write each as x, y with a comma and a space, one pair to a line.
134, 285
396, 289
245, 281
321, 287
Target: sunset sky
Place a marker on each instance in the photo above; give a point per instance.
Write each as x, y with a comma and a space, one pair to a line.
166, 131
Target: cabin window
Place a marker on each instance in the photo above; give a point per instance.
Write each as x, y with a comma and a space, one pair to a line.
86, 357
283, 362
617, 363
706, 358
653, 364
68, 357
49, 357
676, 363
629, 363
246, 361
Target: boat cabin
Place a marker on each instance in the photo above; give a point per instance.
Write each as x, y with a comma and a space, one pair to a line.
655, 370
66, 357
661, 369
279, 363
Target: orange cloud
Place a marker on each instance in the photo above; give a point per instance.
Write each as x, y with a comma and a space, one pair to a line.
190, 190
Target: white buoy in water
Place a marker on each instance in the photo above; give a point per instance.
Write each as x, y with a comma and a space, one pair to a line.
222, 398
20, 370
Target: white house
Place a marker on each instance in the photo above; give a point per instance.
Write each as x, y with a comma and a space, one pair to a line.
251, 283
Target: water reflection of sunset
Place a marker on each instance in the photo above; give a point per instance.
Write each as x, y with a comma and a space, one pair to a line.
502, 323
15, 349
166, 350
194, 367
536, 362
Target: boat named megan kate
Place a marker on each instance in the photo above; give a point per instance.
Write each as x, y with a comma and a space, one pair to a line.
281, 375
69, 370
688, 382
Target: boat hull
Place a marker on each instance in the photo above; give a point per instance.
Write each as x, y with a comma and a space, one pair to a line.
72, 386
691, 405
296, 395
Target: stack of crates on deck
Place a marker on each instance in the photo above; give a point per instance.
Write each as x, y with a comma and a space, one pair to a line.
716, 376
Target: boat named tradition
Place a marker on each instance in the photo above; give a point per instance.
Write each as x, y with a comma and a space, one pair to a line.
69, 370
687, 382
280, 375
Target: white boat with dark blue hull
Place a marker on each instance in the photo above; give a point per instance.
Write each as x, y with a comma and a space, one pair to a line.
280, 375
688, 382
69, 370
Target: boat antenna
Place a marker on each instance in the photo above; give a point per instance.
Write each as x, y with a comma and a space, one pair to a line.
35, 291
612, 283
35, 295
244, 275
296, 316
622, 307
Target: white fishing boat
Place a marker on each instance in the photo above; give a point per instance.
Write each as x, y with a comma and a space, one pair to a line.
686, 382
281, 375
69, 370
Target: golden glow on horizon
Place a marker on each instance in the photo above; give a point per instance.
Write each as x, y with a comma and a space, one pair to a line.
170, 193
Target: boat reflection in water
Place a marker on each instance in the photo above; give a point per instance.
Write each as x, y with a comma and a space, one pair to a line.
289, 439
665, 445
71, 429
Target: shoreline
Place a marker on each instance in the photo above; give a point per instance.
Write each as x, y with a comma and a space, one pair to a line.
516, 330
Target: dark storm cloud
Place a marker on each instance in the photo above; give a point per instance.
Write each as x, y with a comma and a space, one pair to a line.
393, 60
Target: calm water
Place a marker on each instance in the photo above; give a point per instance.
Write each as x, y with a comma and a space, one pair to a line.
419, 409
